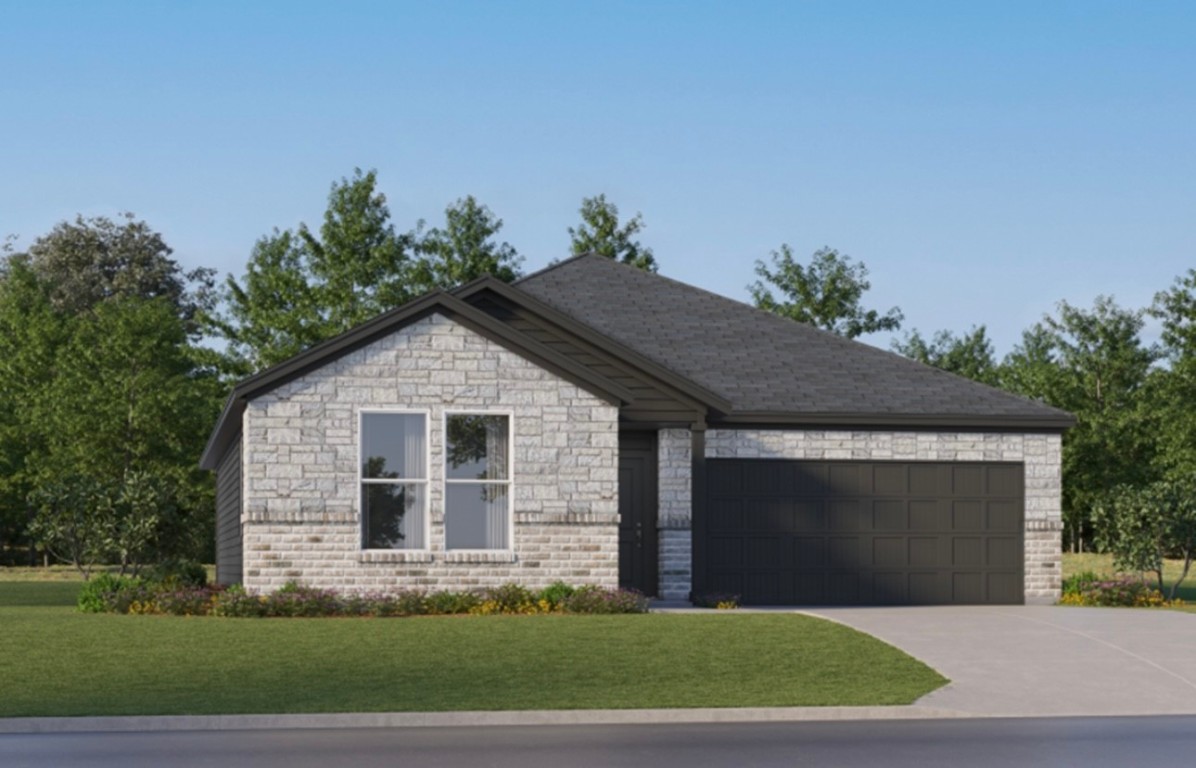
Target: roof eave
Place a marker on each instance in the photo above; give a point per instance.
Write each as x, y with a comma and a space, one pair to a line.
968, 422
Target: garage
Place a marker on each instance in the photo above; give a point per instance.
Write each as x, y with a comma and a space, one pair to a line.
798, 532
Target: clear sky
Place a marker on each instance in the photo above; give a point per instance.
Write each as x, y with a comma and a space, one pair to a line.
985, 160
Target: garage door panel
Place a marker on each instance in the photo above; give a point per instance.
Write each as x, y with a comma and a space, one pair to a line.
967, 551
846, 479
1006, 481
809, 515
889, 515
967, 515
924, 479
967, 480
890, 552
925, 588
967, 587
890, 480
1004, 552
924, 551
1004, 516
844, 552
925, 515
845, 515
725, 515
726, 552
809, 553
889, 588
857, 532
1004, 588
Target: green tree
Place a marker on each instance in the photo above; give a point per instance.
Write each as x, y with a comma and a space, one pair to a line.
1143, 525
126, 405
87, 261
1094, 364
463, 249
1173, 388
601, 233
827, 293
300, 289
969, 355
31, 332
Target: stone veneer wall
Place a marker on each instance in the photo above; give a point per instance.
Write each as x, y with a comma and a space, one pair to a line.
1040, 453
301, 512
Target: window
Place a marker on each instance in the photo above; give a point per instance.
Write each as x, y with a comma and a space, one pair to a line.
394, 480
477, 481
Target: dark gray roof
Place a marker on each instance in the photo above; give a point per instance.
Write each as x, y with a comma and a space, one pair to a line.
764, 364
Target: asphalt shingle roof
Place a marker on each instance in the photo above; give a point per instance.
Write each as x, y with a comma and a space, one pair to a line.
760, 362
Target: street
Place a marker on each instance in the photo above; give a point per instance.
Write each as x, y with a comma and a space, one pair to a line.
978, 743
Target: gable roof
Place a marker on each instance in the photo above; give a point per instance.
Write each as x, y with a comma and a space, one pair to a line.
438, 302
772, 369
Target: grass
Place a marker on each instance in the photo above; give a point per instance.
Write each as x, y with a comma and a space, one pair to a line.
60, 573
58, 662
1102, 565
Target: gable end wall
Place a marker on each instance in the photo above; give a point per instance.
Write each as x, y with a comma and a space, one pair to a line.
302, 517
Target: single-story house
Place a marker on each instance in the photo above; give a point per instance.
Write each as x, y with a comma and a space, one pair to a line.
594, 423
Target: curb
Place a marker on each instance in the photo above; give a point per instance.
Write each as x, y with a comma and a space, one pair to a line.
159, 723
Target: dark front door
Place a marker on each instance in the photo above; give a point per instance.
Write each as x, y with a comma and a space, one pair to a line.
637, 511
864, 533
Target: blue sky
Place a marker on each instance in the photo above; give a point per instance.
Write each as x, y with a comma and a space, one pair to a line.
985, 160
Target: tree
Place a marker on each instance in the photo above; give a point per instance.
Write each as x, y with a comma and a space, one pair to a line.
128, 413
969, 355
1094, 364
825, 294
1141, 526
1173, 388
600, 233
300, 289
31, 332
464, 249
87, 261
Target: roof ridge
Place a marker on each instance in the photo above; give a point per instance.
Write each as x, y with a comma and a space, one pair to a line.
552, 266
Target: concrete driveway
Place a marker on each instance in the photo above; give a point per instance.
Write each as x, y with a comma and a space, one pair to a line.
1044, 660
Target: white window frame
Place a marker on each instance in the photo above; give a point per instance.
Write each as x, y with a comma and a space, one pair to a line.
425, 482
509, 482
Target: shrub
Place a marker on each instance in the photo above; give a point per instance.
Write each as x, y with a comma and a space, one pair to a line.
594, 599
555, 593
446, 603
296, 600
235, 602
1078, 582
509, 598
104, 592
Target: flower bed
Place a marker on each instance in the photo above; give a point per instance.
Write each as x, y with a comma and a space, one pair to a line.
1088, 589
110, 594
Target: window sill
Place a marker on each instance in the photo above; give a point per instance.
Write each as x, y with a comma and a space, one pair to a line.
480, 556
394, 556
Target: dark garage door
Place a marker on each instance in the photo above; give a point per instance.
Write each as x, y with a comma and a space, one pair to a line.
782, 532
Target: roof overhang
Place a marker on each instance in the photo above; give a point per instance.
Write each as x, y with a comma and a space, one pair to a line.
911, 422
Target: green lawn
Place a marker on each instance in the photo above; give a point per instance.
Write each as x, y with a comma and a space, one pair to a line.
1103, 565
56, 661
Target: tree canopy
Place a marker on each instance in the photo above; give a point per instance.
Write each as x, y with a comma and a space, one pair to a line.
600, 232
301, 288
827, 293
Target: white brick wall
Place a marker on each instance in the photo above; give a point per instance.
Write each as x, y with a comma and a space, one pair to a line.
301, 517
1040, 453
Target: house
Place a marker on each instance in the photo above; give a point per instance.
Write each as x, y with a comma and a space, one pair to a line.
594, 423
